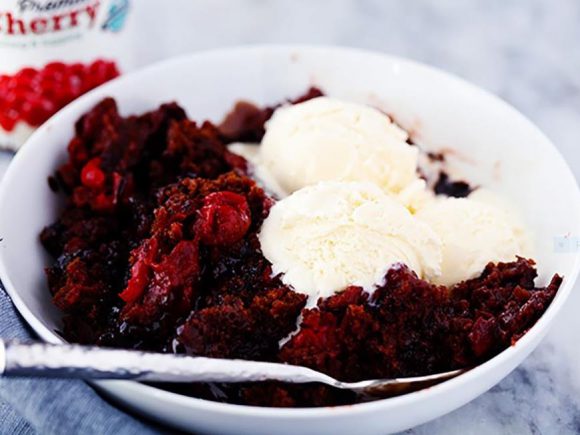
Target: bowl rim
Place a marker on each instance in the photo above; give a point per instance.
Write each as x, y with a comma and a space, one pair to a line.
539, 329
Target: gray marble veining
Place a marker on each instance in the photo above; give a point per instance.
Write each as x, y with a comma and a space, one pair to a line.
527, 52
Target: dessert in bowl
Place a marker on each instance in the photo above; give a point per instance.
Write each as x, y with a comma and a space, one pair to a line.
337, 255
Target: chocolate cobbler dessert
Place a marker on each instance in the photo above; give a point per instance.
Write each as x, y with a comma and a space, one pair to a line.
254, 239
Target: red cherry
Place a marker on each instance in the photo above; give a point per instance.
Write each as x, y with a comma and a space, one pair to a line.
103, 203
32, 114
26, 75
45, 82
49, 93
92, 175
224, 218
77, 69
12, 83
144, 259
13, 114
99, 72
47, 105
36, 111
9, 99
19, 97
6, 122
75, 84
98, 67
54, 68
111, 71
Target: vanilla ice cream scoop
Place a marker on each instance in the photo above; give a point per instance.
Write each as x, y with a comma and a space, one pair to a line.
473, 233
512, 215
326, 139
328, 236
416, 195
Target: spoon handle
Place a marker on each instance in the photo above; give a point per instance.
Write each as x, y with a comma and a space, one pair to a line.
89, 362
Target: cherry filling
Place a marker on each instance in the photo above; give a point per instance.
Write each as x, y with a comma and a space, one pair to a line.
34, 95
91, 175
144, 260
224, 218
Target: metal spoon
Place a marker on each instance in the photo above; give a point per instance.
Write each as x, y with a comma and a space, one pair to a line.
89, 362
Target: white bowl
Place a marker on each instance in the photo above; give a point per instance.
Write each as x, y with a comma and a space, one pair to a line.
494, 146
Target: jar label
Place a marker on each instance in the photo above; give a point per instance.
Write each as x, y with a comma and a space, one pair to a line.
53, 51
32, 22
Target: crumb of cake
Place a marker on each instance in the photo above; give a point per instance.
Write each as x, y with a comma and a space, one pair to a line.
436, 156
448, 187
245, 122
409, 327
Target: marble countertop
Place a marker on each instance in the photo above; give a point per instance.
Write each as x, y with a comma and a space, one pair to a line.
525, 52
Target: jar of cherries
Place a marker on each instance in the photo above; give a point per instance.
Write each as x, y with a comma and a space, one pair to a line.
53, 51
